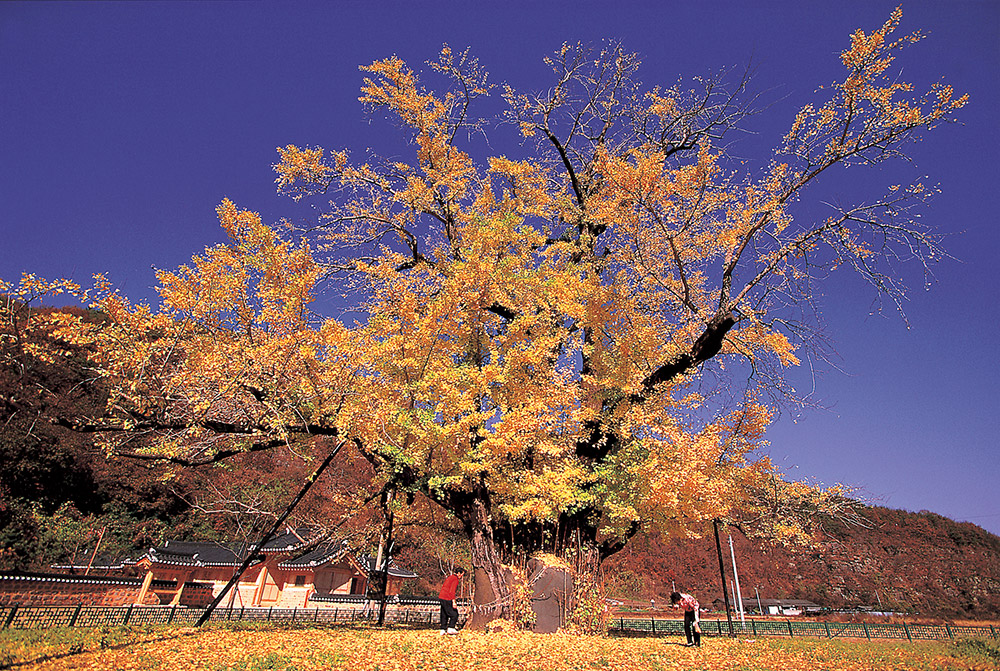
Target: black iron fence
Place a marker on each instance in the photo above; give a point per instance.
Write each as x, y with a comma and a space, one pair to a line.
791, 629
423, 613
46, 617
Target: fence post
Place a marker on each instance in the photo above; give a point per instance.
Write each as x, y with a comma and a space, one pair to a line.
948, 629
753, 626
128, 614
993, 631
907, 630
243, 610
827, 625
269, 610
294, 611
868, 635
791, 634
76, 614
10, 617
173, 611
652, 625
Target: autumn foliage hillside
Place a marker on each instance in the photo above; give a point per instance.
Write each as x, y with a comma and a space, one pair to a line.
914, 562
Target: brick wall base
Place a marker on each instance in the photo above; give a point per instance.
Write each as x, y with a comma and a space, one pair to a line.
63, 590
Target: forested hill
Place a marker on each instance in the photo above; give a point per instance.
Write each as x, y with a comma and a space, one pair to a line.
917, 562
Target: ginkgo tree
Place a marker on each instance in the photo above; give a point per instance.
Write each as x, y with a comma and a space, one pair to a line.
554, 347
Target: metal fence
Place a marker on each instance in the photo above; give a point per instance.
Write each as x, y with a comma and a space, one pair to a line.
791, 629
46, 617
424, 614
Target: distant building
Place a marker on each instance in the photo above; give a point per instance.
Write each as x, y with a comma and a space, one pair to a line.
788, 607
294, 570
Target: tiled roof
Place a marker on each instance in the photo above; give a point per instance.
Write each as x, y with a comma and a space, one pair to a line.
189, 553
64, 578
186, 553
306, 549
324, 552
368, 564
103, 563
291, 540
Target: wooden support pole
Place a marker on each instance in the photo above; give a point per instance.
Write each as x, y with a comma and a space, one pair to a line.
269, 535
181, 581
146, 582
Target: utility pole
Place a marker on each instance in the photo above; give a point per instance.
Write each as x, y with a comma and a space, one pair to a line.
732, 593
722, 575
736, 576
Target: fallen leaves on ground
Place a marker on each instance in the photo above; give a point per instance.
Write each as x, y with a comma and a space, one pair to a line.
380, 650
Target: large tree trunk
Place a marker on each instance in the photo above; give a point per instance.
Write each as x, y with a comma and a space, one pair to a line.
492, 581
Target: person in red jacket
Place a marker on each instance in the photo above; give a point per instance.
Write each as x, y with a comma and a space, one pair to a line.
449, 613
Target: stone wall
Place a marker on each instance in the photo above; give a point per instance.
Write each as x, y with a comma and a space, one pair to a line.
40, 589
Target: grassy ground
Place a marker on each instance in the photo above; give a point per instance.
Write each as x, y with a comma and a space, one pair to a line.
262, 648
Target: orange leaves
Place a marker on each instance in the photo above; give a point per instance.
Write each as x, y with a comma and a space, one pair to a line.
663, 105
401, 650
524, 186
674, 477
470, 380
760, 340
32, 288
395, 86
867, 51
233, 349
43, 334
257, 281
301, 171
867, 114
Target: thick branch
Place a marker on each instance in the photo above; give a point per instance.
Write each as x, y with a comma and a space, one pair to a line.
503, 311
220, 428
708, 344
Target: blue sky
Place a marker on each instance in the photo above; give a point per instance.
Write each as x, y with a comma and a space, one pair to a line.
123, 125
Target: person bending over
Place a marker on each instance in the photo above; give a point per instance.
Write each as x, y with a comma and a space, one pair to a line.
692, 621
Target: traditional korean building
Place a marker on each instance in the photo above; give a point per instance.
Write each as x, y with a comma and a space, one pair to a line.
297, 569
